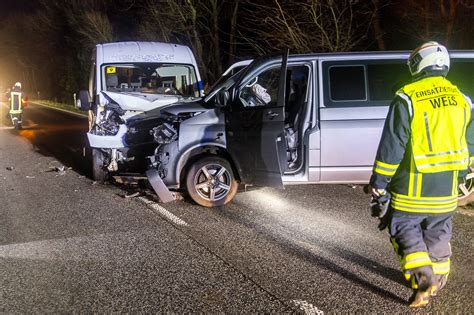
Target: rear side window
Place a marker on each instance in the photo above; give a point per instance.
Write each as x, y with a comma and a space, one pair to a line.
358, 83
347, 83
386, 79
461, 74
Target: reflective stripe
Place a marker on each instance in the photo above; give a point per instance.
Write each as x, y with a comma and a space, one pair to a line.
455, 182
385, 168
411, 180
463, 127
415, 260
428, 136
434, 200
441, 268
386, 165
415, 184
422, 166
421, 156
408, 100
423, 210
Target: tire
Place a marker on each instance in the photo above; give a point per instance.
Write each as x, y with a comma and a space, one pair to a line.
99, 172
206, 189
466, 193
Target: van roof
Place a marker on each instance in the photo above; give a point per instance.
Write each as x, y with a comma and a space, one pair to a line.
145, 52
399, 53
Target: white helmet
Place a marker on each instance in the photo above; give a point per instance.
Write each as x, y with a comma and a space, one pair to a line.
430, 56
18, 85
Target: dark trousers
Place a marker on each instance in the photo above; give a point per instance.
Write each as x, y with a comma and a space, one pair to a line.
422, 244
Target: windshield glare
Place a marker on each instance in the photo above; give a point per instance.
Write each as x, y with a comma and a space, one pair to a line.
152, 78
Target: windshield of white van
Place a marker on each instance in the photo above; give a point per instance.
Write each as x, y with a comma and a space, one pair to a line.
151, 78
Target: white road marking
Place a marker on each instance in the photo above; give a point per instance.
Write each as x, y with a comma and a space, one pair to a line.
163, 212
308, 308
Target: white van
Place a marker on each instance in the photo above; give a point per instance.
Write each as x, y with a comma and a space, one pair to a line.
130, 78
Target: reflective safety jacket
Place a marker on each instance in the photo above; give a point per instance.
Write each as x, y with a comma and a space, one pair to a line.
428, 138
16, 102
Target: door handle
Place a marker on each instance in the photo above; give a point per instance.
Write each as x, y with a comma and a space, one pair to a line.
272, 114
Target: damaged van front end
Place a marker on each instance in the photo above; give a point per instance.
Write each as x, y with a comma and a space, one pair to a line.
128, 79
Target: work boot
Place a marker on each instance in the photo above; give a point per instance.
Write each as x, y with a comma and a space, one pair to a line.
426, 287
441, 281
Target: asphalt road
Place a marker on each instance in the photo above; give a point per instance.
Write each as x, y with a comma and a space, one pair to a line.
68, 244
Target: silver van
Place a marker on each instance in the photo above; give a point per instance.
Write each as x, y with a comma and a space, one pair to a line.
282, 120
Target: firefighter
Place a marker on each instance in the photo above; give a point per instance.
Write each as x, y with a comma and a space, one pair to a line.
427, 143
18, 101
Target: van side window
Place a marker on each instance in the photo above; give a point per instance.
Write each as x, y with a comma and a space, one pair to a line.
461, 73
261, 90
357, 83
386, 79
347, 83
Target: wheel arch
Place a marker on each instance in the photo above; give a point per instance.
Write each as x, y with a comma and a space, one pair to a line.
198, 151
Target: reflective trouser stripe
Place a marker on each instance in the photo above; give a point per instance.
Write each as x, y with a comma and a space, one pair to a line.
415, 260
441, 268
412, 261
15, 111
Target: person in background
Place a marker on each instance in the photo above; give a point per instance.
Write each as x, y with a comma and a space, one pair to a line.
18, 102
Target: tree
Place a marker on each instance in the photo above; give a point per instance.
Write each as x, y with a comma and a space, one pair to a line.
447, 21
306, 26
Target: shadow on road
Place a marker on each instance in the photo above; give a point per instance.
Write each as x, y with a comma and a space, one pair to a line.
303, 253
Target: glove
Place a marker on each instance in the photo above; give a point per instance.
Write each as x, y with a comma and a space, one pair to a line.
379, 207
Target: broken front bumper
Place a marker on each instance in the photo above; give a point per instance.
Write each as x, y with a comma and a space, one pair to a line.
108, 142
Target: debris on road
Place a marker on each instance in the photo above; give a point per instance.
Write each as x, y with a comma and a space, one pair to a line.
60, 169
10, 168
133, 195
27, 176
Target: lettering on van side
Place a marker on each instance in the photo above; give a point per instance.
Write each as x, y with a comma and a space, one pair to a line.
143, 58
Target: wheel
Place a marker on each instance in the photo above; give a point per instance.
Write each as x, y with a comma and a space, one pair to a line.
18, 125
210, 181
99, 172
466, 190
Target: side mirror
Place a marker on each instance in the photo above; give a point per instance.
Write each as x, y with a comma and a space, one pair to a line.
222, 98
83, 100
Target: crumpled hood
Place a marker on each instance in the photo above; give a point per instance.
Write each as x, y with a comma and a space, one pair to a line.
136, 101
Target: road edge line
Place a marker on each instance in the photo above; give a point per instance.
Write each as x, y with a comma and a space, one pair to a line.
61, 110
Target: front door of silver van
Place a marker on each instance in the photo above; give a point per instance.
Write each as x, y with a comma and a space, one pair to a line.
254, 121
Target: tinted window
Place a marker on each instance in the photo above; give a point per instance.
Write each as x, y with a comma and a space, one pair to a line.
462, 75
347, 83
386, 79
355, 83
